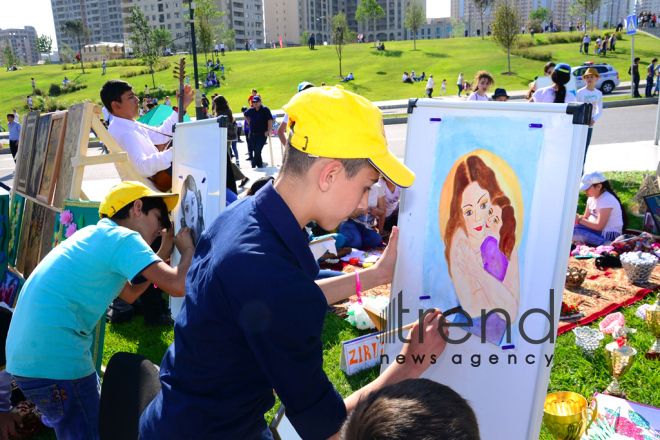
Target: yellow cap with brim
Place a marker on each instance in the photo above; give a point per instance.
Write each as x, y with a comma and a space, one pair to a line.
127, 192
334, 123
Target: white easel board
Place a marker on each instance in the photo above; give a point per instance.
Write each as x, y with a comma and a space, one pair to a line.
536, 153
200, 156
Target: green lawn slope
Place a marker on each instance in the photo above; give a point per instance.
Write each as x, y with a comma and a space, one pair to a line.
276, 73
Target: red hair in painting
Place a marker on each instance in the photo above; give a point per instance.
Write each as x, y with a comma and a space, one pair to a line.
473, 169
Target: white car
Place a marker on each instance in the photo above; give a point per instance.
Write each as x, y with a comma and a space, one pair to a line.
608, 81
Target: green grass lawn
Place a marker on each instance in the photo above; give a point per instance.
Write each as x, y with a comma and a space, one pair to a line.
277, 73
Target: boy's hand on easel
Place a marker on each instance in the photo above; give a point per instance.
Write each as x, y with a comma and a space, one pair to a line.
183, 240
431, 344
385, 264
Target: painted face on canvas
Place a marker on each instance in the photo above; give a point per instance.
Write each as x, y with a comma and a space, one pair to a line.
475, 205
190, 209
494, 221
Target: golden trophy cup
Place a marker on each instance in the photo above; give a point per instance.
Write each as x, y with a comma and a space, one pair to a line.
653, 321
566, 414
619, 362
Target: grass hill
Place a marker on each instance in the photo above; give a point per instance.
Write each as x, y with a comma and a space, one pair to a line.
276, 73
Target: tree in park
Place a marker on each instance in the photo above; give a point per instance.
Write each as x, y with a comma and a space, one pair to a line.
208, 25
142, 38
228, 37
9, 57
482, 6
585, 6
304, 39
540, 14
369, 11
77, 30
44, 44
506, 26
457, 28
341, 35
67, 55
162, 39
414, 19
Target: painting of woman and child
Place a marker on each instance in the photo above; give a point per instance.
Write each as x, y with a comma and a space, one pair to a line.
476, 233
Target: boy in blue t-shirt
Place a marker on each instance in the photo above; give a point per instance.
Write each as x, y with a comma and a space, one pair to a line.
49, 341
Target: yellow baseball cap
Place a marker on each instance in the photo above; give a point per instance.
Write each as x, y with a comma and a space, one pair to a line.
334, 123
591, 71
127, 192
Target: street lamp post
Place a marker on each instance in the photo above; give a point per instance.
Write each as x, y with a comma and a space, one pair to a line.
199, 112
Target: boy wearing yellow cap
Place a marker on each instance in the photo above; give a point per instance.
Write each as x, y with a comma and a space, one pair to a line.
253, 314
590, 94
49, 341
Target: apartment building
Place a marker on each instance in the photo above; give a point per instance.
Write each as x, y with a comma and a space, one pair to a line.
282, 20
103, 18
246, 17
433, 29
390, 27
97, 52
24, 42
166, 14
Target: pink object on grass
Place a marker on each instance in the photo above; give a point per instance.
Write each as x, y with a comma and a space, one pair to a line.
611, 321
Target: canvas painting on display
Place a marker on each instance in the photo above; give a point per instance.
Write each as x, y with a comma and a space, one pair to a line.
478, 214
192, 187
25, 150
39, 153
51, 164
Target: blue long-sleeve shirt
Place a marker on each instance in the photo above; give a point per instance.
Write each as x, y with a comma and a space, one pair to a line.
14, 131
251, 323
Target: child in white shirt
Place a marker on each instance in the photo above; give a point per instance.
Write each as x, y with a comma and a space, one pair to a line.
590, 94
443, 88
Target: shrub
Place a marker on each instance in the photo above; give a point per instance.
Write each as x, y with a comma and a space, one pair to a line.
533, 55
558, 39
619, 35
38, 92
54, 90
129, 74
523, 44
159, 93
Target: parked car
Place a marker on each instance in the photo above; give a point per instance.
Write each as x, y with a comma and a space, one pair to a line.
609, 77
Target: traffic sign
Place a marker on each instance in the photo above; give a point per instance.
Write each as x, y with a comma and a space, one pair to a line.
631, 24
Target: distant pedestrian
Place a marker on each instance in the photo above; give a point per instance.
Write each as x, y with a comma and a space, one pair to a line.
570, 26
247, 45
635, 77
253, 94
612, 42
16, 117
459, 83
443, 87
14, 134
522, 30
222, 49
585, 42
650, 72
29, 102
312, 42
222, 69
34, 87
430, 85
104, 65
216, 50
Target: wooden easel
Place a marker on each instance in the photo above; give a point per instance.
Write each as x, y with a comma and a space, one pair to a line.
81, 118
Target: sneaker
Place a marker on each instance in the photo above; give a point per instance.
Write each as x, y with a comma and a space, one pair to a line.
244, 181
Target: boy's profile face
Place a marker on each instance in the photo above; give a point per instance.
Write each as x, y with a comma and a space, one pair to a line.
347, 195
147, 225
128, 107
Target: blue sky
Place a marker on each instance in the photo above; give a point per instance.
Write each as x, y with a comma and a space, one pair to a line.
20, 13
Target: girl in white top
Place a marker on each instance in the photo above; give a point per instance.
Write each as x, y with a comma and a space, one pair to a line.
443, 88
605, 218
390, 217
460, 83
556, 93
482, 83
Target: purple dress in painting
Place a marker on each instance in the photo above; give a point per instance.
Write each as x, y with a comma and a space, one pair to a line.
496, 264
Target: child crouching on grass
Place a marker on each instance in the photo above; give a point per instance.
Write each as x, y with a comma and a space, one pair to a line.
49, 341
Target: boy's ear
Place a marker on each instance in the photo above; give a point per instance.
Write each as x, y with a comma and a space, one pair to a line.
330, 172
137, 208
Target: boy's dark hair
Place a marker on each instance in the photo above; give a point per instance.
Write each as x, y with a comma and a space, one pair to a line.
297, 163
148, 203
413, 409
258, 184
10, 115
112, 91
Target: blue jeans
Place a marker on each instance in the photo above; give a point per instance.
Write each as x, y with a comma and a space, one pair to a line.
649, 86
234, 147
592, 237
359, 236
257, 142
71, 407
328, 273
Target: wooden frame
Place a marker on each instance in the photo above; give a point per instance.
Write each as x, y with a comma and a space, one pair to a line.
51, 164
25, 150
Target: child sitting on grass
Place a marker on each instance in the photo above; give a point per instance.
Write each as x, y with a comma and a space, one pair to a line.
49, 341
605, 218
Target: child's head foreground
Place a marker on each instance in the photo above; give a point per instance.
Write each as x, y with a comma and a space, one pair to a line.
482, 82
336, 151
413, 409
137, 207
